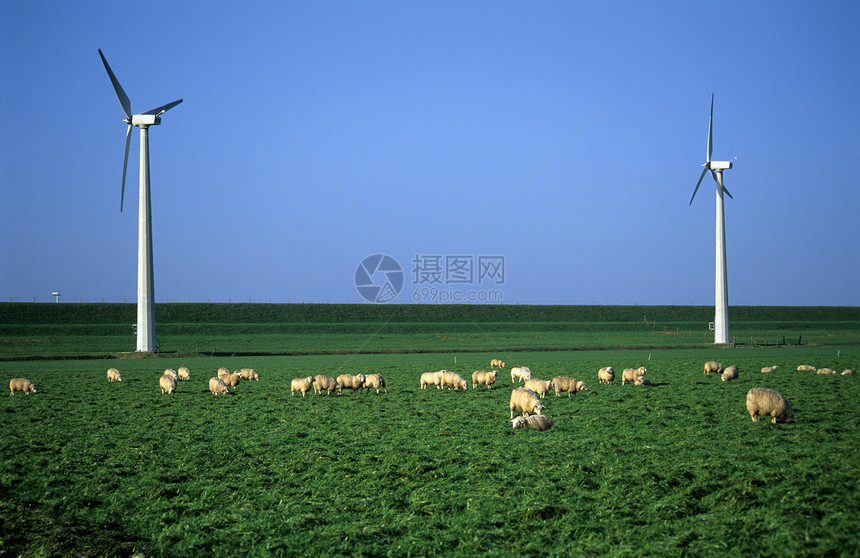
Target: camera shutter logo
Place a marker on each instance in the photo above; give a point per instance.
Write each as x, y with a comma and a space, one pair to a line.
379, 278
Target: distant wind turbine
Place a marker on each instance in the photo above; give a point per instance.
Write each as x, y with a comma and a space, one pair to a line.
145, 283
721, 306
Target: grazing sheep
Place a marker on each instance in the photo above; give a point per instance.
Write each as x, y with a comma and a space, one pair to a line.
825, 371
249, 374
520, 373
374, 381
113, 375
540, 387
606, 375
526, 401
348, 381
223, 372
483, 377
768, 369
568, 385
184, 373
452, 380
805, 368
730, 373
496, 363
302, 385
21, 384
217, 386
231, 379
847, 372
172, 373
167, 383
431, 379
630, 374
327, 383
713, 366
642, 381
766, 402
538, 422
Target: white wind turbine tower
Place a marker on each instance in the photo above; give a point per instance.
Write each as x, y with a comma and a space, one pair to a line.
145, 283
721, 315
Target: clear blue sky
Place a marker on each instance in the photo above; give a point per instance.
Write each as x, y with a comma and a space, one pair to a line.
565, 136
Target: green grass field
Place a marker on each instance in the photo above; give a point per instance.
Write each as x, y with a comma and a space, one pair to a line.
110, 469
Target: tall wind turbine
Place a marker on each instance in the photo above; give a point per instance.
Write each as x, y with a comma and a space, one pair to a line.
721, 314
145, 283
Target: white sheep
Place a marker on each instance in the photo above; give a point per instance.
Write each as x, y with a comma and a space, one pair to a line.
302, 385
113, 375
730, 373
452, 380
484, 378
563, 384
348, 381
327, 383
538, 422
167, 383
21, 384
540, 387
630, 374
249, 374
825, 371
642, 381
526, 401
768, 369
606, 375
520, 373
766, 402
231, 379
222, 372
848, 372
217, 386
713, 366
805, 368
172, 373
496, 363
184, 373
374, 381
431, 379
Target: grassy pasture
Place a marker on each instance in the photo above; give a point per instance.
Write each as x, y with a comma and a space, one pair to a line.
93, 468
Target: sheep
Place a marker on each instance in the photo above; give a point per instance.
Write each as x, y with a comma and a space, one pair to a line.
302, 385
249, 374
525, 401
568, 385
172, 373
374, 381
21, 384
452, 380
496, 363
327, 383
768, 369
540, 387
825, 371
348, 381
484, 377
167, 384
805, 368
630, 374
713, 366
642, 381
113, 375
766, 402
184, 373
431, 379
217, 386
522, 373
231, 379
538, 422
730, 373
848, 372
223, 372
606, 375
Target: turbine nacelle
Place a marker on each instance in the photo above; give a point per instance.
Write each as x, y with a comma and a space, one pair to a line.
718, 165
148, 120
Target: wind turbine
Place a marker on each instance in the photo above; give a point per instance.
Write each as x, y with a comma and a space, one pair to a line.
721, 306
145, 283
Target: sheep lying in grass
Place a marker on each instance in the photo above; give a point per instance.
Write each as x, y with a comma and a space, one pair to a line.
374, 381
766, 402
452, 380
249, 374
184, 373
730, 373
496, 363
630, 374
847, 372
540, 387
327, 383
568, 385
348, 381
113, 375
520, 373
713, 366
21, 384
805, 368
302, 385
768, 369
825, 371
432, 379
538, 422
642, 381
217, 386
172, 373
526, 401
606, 375
484, 378
167, 383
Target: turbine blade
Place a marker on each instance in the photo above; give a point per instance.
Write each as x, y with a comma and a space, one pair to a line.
698, 184
727, 192
124, 166
711, 131
162, 109
123, 98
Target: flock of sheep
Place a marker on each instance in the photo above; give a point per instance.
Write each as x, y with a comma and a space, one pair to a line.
525, 399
